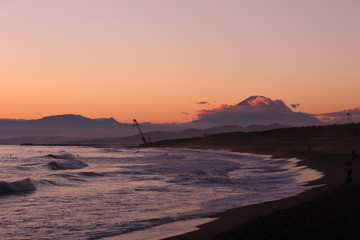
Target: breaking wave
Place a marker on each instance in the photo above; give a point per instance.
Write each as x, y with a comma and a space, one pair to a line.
65, 161
127, 190
67, 156
69, 164
21, 186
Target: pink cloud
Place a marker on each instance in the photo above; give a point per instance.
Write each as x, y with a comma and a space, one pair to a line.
203, 112
341, 116
257, 110
295, 105
203, 103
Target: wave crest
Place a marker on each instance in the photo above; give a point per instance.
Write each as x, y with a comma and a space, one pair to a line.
21, 186
69, 164
67, 156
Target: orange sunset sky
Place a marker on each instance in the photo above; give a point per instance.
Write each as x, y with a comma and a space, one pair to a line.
155, 59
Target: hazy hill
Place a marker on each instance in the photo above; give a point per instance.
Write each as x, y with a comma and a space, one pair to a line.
188, 133
71, 129
62, 125
61, 128
256, 113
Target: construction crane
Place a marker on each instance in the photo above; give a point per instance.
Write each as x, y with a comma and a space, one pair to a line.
135, 123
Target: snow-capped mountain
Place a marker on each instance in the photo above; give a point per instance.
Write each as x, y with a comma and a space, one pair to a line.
261, 102
257, 110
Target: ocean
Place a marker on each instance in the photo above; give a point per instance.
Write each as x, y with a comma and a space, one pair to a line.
58, 192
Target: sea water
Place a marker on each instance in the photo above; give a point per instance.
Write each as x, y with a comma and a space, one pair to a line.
52, 192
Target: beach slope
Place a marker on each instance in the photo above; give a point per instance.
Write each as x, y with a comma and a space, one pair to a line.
328, 211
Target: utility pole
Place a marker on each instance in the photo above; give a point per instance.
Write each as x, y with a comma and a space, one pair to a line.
135, 123
348, 117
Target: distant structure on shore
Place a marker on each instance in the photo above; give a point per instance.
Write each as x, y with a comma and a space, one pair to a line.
136, 124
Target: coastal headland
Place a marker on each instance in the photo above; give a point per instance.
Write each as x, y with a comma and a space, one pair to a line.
330, 210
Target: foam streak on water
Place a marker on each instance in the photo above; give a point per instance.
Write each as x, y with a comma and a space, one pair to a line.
90, 193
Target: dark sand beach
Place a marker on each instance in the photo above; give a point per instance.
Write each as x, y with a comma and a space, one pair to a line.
329, 211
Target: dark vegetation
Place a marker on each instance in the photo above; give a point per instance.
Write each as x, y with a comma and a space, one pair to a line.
333, 138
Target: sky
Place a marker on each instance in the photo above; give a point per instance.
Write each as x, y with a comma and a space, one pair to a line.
165, 60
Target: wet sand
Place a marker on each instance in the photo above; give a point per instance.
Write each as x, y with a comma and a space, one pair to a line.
293, 217
327, 211
228, 222
162, 231
210, 226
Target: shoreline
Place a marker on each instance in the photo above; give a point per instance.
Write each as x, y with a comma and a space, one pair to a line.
327, 156
333, 178
231, 219
325, 211
162, 231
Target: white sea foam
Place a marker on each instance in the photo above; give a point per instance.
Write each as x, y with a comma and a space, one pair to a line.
126, 190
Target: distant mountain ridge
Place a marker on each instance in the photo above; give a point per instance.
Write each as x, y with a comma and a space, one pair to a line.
188, 133
71, 128
255, 113
258, 110
61, 125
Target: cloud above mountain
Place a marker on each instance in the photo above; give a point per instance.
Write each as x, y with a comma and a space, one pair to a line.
202, 103
257, 110
295, 105
341, 116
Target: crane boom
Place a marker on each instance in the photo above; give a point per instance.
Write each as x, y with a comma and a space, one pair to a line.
135, 123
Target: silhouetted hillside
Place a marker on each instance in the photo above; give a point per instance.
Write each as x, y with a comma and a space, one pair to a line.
340, 138
71, 129
60, 128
